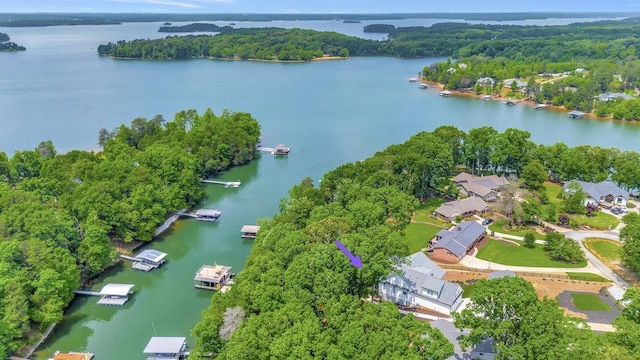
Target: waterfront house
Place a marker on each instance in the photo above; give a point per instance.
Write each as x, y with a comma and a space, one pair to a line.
249, 231
486, 82
462, 208
520, 85
608, 96
490, 182
417, 282
603, 192
166, 348
452, 245
213, 277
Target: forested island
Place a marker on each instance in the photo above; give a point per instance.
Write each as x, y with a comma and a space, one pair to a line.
195, 27
379, 28
55, 19
6, 45
299, 297
253, 43
60, 213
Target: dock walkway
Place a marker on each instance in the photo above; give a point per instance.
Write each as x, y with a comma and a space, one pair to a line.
227, 184
87, 292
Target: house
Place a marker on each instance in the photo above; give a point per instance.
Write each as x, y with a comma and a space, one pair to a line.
485, 350
486, 82
166, 348
485, 187
463, 208
417, 282
453, 244
520, 85
612, 96
603, 192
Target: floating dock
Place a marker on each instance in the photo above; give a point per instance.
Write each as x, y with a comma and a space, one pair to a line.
249, 231
227, 184
202, 214
213, 277
111, 294
166, 348
72, 356
445, 93
147, 260
280, 149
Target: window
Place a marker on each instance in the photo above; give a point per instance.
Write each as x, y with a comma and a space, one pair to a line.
430, 293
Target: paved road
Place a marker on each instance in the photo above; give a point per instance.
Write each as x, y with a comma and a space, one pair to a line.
580, 236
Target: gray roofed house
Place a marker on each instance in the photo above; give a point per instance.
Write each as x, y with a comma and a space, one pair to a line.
463, 208
453, 244
485, 187
419, 283
612, 96
605, 191
486, 81
501, 274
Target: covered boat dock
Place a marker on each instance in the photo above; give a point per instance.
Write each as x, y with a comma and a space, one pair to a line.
115, 294
249, 231
213, 277
165, 348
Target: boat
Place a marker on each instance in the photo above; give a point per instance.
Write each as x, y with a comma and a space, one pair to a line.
280, 149
423, 86
445, 93
413, 79
510, 102
540, 106
576, 114
486, 97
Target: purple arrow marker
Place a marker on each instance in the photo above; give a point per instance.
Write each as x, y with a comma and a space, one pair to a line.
355, 260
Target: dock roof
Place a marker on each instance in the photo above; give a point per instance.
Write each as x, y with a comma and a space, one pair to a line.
213, 273
152, 255
208, 212
165, 345
116, 289
250, 229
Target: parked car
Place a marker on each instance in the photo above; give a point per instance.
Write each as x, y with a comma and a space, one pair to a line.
487, 221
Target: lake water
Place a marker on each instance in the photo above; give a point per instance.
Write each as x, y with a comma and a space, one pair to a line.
328, 112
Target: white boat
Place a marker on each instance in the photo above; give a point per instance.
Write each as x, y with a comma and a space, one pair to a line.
445, 93
423, 86
413, 79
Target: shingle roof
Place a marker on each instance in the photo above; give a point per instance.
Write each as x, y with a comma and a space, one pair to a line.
613, 95
476, 188
601, 189
461, 238
459, 207
463, 176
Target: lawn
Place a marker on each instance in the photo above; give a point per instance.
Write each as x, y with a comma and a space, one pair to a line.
589, 302
583, 276
608, 250
467, 289
423, 214
499, 224
553, 191
501, 253
419, 236
601, 221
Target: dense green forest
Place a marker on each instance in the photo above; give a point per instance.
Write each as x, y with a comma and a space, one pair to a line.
52, 19
195, 27
562, 65
262, 43
379, 28
60, 212
6, 45
299, 297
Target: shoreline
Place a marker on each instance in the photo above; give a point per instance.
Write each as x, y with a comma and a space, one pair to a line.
528, 102
323, 58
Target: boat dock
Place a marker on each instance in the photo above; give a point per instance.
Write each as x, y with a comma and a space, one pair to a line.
165, 348
227, 184
147, 260
202, 214
280, 149
72, 356
576, 114
249, 231
540, 106
213, 277
265, 149
111, 294
446, 93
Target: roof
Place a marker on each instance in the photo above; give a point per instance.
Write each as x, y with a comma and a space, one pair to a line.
476, 188
208, 212
485, 80
463, 176
212, 273
152, 255
461, 238
459, 207
116, 289
73, 356
519, 83
165, 345
250, 229
501, 274
576, 113
599, 190
487, 346
422, 273
613, 95
616, 292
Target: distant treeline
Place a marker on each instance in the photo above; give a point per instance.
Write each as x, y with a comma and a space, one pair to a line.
262, 43
53, 19
195, 27
6, 45
379, 28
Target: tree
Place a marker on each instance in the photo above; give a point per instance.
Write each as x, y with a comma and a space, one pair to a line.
561, 248
630, 234
531, 211
534, 175
529, 240
574, 198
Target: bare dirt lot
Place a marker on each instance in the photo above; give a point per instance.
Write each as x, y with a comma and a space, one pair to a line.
545, 287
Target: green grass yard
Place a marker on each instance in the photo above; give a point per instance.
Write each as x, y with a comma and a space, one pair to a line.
602, 248
583, 276
499, 224
467, 289
601, 221
589, 302
419, 235
501, 253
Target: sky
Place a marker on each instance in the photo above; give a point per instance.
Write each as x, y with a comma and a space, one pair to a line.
317, 6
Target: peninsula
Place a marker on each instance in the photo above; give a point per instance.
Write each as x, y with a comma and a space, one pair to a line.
195, 27
6, 45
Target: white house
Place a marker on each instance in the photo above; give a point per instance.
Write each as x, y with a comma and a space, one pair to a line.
603, 192
419, 283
